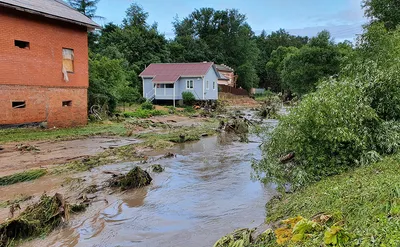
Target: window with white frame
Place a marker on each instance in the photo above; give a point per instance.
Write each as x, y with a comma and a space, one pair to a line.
189, 84
213, 85
207, 85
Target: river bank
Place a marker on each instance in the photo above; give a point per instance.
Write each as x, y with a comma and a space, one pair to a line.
207, 177
357, 208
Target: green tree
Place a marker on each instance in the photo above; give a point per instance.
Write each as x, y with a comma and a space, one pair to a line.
86, 7
267, 44
318, 59
221, 36
109, 82
274, 67
386, 11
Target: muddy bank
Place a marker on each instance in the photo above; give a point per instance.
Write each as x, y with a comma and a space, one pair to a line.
204, 192
50, 153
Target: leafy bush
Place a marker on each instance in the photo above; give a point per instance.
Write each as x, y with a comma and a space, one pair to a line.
188, 98
147, 106
347, 122
327, 132
140, 113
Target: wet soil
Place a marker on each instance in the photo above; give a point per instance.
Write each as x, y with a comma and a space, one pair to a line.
55, 152
205, 192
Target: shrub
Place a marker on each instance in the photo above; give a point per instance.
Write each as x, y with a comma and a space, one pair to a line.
188, 98
328, 132
147, 106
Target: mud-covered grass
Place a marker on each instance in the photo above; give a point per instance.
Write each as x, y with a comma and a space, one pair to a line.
17, 200
181, 135
38, 134
135, 178
364, 202
36, 220
22, 177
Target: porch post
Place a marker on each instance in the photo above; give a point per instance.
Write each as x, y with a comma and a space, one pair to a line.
174, 95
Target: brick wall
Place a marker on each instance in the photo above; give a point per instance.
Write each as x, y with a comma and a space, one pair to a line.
35, 75
43, 104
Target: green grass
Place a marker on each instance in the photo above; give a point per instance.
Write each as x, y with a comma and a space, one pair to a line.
36, 134
365, 201
143, 113
22, 177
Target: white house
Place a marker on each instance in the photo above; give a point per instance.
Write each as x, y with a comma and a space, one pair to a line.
167, 81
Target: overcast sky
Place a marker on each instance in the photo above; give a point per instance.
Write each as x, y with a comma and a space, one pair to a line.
343, 18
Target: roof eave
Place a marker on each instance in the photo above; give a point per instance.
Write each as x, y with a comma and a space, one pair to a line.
31, 11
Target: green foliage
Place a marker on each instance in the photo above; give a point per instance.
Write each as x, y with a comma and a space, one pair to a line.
188, 98
269, 43
302, 70
386, 11
109, 82
221, 36
328, 132
147, 106
30, 134
364, 199
22, 177
86, 7
336, 236
275, 65
142, 113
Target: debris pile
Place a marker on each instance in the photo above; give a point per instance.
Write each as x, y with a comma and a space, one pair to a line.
136, 178
37, 219
157, 168
270, 107
26, 148
239, 126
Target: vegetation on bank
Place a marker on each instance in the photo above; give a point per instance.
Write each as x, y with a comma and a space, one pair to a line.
36, 134
358, 208
22, 177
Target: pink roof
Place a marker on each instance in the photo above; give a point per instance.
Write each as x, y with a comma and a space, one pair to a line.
171, 72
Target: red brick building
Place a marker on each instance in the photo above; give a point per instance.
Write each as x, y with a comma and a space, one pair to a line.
43, 63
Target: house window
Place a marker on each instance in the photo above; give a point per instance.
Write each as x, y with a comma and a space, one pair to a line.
68, 60
18, 104
189, 84
21, 44
213, 85
67, 103
207, 85
169, 85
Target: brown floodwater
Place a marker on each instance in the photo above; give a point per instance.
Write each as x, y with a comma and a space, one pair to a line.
205, 192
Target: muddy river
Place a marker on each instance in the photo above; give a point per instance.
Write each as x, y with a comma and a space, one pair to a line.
205, 192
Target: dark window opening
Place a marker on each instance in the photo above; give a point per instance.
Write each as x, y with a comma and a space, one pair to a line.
169, 85
21, 44
67, 103
18, 104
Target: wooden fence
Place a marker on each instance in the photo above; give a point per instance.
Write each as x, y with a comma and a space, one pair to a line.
232, 90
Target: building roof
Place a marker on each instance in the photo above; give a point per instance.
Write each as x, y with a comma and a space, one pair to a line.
171, 72
54, 9
223, 67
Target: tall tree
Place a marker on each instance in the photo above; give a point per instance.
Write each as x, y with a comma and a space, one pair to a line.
386, 11
304, 68
86, 7
221, 36
267, 44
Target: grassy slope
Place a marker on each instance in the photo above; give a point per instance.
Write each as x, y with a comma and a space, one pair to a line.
367, 200
30, 134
